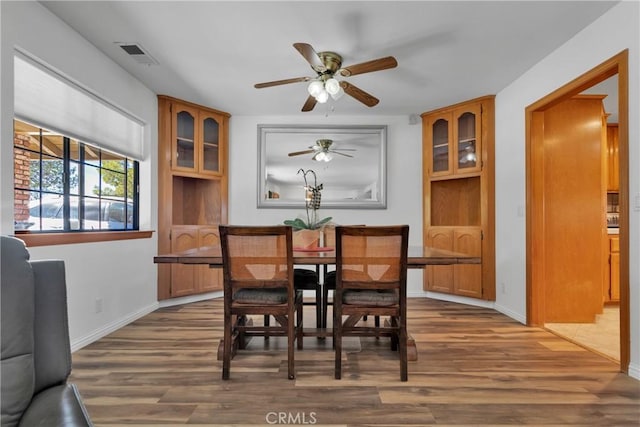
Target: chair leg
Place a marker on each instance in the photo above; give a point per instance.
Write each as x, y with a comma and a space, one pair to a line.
226, 349
319, 306
290, 349
337, 344
394, 337
299, 326
266, 323
325, 305
403, 354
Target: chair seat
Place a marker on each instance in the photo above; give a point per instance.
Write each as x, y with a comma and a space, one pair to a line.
375, 298
260, 296
304, 278
330, 280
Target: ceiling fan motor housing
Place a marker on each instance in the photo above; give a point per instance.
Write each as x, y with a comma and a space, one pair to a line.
332, 62
324, 143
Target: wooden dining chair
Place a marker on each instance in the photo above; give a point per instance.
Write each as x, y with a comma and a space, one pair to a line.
329, 282
258, 280
371, 280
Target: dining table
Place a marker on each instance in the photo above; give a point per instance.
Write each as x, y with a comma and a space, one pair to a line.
418, 257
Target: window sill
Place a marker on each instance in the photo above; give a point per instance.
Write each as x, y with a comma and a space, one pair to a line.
50, 239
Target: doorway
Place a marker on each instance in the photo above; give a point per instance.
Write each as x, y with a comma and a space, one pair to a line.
540, 228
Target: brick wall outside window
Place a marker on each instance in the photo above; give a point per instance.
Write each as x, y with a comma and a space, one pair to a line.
21, 160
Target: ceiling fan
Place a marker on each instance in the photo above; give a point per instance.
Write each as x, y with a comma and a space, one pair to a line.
322, 151
327, 66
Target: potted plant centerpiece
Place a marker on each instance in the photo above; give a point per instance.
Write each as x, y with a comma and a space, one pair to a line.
307, 234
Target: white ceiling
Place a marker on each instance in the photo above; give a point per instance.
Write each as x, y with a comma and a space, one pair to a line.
213, 52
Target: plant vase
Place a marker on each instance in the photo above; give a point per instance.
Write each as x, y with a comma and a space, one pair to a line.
306, 239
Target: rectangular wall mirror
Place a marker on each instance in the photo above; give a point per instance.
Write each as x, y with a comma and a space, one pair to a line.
349, 162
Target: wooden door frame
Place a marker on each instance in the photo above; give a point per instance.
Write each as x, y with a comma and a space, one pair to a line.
534, 114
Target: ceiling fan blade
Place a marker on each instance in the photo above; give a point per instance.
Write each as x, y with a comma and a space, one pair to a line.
281, 82
311, 56
309, 104
343, 149
342, 154
369, 66
298, 153
359, 94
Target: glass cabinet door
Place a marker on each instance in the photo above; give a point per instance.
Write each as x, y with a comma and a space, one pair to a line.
210, 145
184, 148
468, 139
440, 146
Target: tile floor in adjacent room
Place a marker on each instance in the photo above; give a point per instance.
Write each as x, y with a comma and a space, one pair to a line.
603, 336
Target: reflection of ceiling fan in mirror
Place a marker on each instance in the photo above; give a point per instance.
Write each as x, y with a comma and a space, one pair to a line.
322, 151
327, 67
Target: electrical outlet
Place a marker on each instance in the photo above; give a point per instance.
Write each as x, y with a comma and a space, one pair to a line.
98, 305
503, 288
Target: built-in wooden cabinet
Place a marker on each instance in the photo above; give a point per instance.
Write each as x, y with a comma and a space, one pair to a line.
461, 279
612, 284
196, 147
458, 195
193, 279
613, 168
192, 191
454, 141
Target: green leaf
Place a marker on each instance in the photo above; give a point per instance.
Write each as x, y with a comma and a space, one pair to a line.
297, 224
322, 222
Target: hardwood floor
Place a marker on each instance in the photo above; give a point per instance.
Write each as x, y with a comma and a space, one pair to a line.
475, 367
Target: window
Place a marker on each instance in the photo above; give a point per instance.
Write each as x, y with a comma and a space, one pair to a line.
62, 184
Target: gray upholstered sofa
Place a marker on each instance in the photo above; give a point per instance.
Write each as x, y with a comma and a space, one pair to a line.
36, 354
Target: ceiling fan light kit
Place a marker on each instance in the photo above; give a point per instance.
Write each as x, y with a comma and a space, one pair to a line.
323, 151
321, 90
324, 85
323, 157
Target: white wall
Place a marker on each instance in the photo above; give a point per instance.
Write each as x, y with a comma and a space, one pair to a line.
121, 273
404, 176
610, 34
404, 182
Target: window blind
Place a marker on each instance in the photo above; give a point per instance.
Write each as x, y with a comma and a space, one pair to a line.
45, 98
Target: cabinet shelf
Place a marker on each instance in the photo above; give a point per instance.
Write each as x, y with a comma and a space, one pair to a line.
467, 140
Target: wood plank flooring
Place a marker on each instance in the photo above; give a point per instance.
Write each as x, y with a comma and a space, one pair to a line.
475, 367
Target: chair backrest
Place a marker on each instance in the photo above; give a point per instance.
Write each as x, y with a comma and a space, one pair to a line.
257, 257
372, 257
36, 353
18, 311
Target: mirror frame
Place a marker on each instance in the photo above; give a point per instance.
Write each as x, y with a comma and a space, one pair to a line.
270, 134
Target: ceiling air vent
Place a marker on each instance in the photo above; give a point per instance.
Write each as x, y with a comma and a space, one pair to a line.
138, 53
